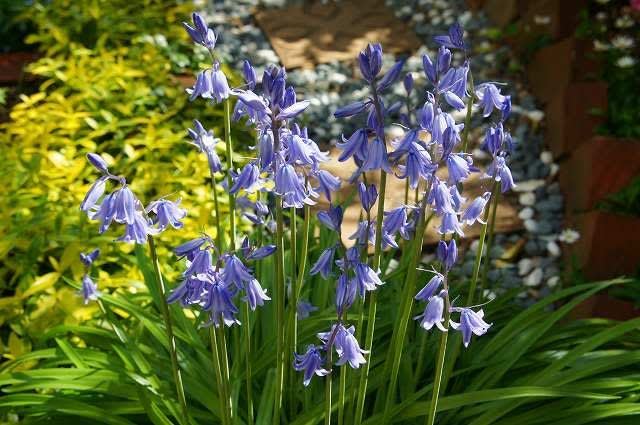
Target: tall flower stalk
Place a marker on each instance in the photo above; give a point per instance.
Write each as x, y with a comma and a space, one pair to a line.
286, 173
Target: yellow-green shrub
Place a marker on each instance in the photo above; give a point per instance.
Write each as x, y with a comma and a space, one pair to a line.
124, 103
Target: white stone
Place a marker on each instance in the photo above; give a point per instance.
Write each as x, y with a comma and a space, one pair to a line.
534, 278
531, 225
529, 185
536, 116
546, 157
528, 199
553, 248
553, 281
569, 236
526, 213
554, 168
525, 266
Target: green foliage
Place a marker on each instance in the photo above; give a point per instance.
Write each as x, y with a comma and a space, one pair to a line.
534, 368
122, 101
12, 28
625, 201
614, 30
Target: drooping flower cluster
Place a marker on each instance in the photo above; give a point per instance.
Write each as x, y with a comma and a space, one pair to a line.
89, 290
123, 207
213, 285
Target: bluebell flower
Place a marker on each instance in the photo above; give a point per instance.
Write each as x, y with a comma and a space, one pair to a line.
475, 210
440, 197
332, 218
459, 81
345, 294
324, 265
454, 39
190, 249
199, 264
348, 349
217, 300
328, 183
493, 138
248, 179
255, 103
167, 213
200, 33
447, 253
505, 109
454, 100
456, 197
189, 292
351, 109
256, 296
458, 167
235, 272
361, 236
444, 60
376, 157
137, 231
501, 173
471, 322
366, 279
98, 162
210, 84
291, 188
265, 150
293, 110
429, 69
433, 313
289, 97
431, 287
391, 76
368, 195
305, 309
490, 98
298, 152
370, 61
249, 74
205, 142
396, 221
260, 253
88, 259
450, 224
89, 290
310, 363
93, 195
408, 83
355, 146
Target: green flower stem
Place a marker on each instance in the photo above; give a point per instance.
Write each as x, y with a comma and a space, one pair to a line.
297, 289
343, 388
467, 121
377, 255
216, 207
232, 198
279, 292
402, 322
224, 360
492, 227
291, 340
483, 234
440, 363
224, 409
166, 316
371, 317
247, 349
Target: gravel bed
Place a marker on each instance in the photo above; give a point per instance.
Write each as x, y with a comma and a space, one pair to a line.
535, 264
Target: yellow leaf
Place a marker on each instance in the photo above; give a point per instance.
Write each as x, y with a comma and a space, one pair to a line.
42, 283
17, 346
